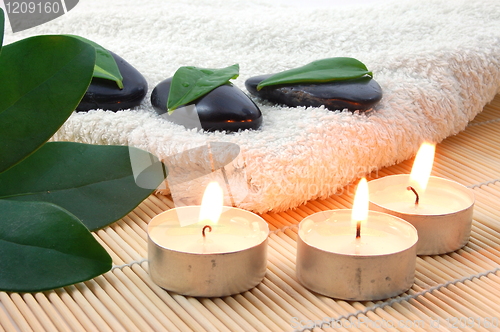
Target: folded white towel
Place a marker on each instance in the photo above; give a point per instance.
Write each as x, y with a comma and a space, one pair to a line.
438, 62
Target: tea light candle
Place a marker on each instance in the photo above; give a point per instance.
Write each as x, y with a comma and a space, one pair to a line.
356, 255
214, 255
440, 209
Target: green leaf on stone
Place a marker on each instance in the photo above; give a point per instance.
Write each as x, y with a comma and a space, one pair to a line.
43, 247
190, 83
105, 65
42, 80
320, 71
96, 183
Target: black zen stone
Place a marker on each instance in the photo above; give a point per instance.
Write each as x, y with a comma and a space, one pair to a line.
224, 108
106, 95
354, 94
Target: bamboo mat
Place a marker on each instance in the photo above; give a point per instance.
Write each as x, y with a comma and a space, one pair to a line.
454, 292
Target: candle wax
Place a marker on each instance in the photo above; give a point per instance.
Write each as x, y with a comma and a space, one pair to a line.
230, 234
440, 197
380, 234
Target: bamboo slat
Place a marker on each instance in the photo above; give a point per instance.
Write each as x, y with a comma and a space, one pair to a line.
458, 291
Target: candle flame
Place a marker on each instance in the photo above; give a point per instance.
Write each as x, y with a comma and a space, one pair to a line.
422, 167
211, 204
361, 203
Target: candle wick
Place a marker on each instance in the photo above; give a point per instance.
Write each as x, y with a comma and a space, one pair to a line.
204, 228
358, 230
416, 194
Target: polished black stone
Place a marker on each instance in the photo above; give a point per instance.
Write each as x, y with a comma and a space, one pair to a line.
224, 108
105, 94
355, 94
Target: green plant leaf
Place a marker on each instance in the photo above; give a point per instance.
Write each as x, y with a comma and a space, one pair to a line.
320, 71
190, 83
42, 80
105, 65
43, 247
96, 183
2, 25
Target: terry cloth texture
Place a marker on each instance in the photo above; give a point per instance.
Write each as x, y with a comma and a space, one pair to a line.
437, 61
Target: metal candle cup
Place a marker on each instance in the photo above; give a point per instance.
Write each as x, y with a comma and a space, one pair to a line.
331, 262
230, 259
443, 216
